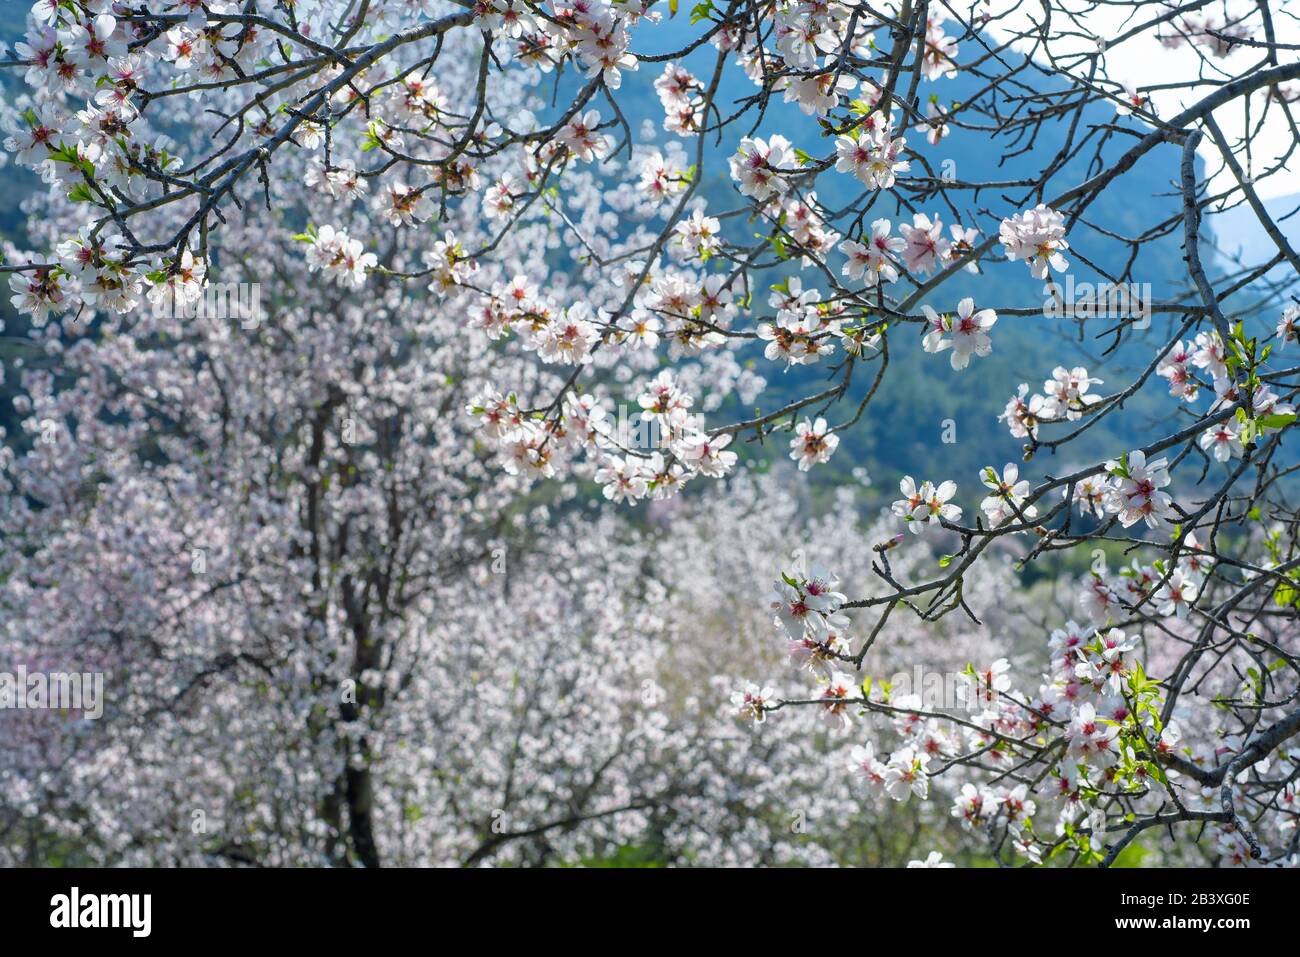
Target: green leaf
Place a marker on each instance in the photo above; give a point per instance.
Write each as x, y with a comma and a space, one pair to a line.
701, 11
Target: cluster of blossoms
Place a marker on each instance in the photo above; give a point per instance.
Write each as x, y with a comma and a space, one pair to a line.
1109, 710
1083, 699
804, 329
682, 98
340, 181
801, 218
450, 268
875, 261
1066, 396
872, 153
806, 607
678, 449
921, 246
1262, 409
594, 33
1095, 703
339, 256
926, 505
581, 139
805, 31
813, 443
982, 808
1087, 694
98, 269
965, 334
818, 93
662, 177
1206, 352
691, 312
576, 277
1133, 492
402, 205
761, 166
90, 52
83, 131
1169, 590
697, 236
904, 774
894, 769
1006, 501
1037, 237
940, 57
